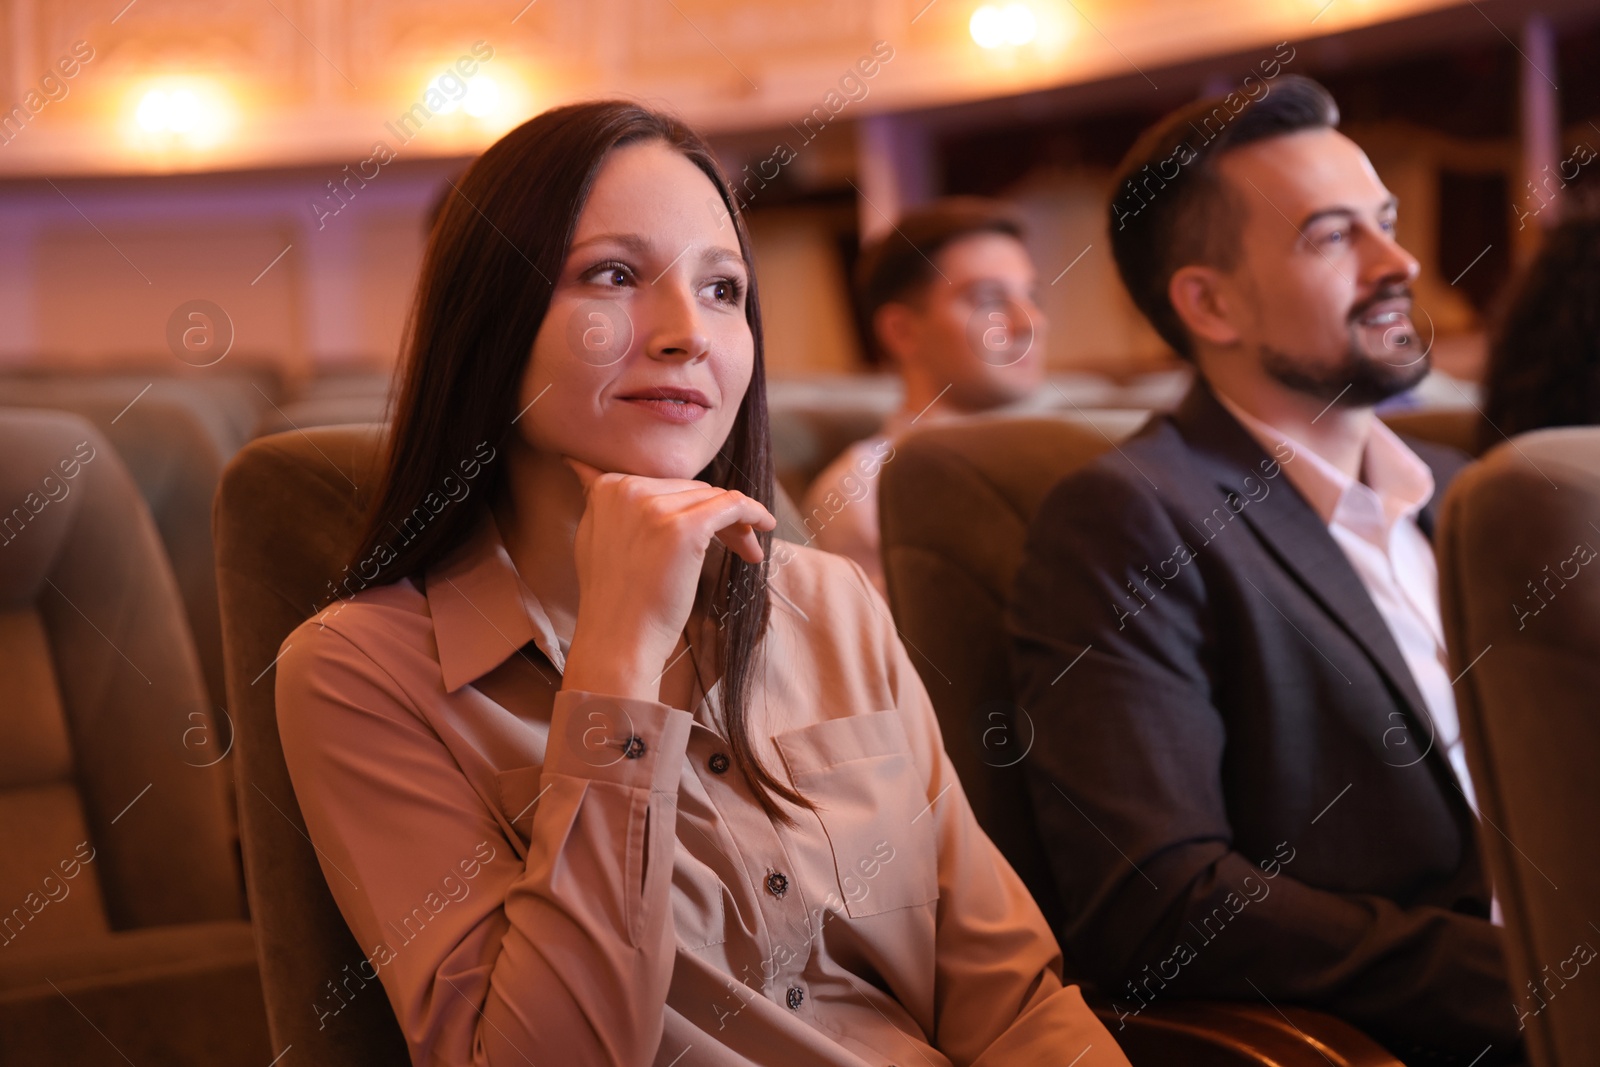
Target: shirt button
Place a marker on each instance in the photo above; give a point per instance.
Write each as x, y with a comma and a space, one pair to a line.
795, 997
777, 883
719, 763
633, 747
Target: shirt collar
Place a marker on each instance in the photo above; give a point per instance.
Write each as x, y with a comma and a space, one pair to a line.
483, 613
1395, 480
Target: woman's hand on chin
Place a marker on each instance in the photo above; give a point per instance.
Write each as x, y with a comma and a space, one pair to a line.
639, 550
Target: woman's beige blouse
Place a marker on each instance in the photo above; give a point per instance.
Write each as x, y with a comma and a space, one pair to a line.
562, 878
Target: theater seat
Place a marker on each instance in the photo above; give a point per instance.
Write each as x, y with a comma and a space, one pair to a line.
122, 932
1519, 577
174, 435
335, 410
287, 517
1456, 427
955, 505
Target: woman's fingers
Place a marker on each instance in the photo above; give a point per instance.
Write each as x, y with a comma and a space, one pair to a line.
730, 516
641, 547
742, 541
586, 474
733, 519
729, 508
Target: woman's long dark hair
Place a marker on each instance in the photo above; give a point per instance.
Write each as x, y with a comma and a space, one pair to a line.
1544, 359
485, 288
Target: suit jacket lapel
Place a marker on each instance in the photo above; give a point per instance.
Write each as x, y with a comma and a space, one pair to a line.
1296, 537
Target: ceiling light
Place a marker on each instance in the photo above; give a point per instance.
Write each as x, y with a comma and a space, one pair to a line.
189, 111
994, 25
483, 96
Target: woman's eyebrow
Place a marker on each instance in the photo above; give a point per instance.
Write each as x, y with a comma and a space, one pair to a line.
640, 246
716, 254
631, 241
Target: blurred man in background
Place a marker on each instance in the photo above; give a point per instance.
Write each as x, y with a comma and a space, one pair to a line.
947, 299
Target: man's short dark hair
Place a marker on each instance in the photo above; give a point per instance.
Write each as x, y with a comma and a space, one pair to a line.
1169, 207
896, 266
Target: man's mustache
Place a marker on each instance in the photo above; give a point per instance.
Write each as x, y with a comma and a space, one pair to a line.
1393, 292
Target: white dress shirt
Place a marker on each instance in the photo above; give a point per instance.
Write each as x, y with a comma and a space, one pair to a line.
1374, 522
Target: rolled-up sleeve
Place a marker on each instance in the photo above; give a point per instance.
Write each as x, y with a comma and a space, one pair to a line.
488, 959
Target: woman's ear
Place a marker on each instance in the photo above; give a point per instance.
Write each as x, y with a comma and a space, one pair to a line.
1201, 297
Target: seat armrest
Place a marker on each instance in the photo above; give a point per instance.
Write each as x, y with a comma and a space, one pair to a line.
180, 996
1209, 1033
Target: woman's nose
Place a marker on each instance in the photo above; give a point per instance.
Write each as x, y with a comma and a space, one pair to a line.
675, 330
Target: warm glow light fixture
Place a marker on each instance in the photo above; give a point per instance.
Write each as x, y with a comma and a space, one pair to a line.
476, 97
994, 25
163, 110
483, 97
186, 112
480, 98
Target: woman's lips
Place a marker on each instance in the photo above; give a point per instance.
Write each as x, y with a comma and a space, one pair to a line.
671, 403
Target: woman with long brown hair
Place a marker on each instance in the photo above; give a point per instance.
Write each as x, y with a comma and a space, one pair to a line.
597, 771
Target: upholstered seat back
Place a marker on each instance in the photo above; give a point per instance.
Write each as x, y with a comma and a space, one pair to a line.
1519, 575
955, 505
112, 809
287, 518
174, 436
1457, 427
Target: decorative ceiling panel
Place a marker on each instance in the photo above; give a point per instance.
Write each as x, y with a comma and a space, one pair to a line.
178, 85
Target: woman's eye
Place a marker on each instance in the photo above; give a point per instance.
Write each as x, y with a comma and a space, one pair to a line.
609, 274
725, 291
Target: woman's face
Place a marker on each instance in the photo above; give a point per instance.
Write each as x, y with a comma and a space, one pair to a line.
641, 363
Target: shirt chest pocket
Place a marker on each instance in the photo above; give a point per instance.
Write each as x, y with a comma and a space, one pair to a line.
870, 798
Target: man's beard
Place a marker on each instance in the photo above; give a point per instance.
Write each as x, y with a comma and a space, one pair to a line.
1362, 376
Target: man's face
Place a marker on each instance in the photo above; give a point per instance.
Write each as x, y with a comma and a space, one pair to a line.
1321, 295
975, 326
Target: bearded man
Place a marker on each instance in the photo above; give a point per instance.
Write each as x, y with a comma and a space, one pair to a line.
1247, 770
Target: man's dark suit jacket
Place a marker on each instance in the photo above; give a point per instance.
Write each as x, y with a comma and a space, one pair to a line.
1233, 771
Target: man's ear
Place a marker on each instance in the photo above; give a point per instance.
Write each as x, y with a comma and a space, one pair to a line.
896, 326
1202, 299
